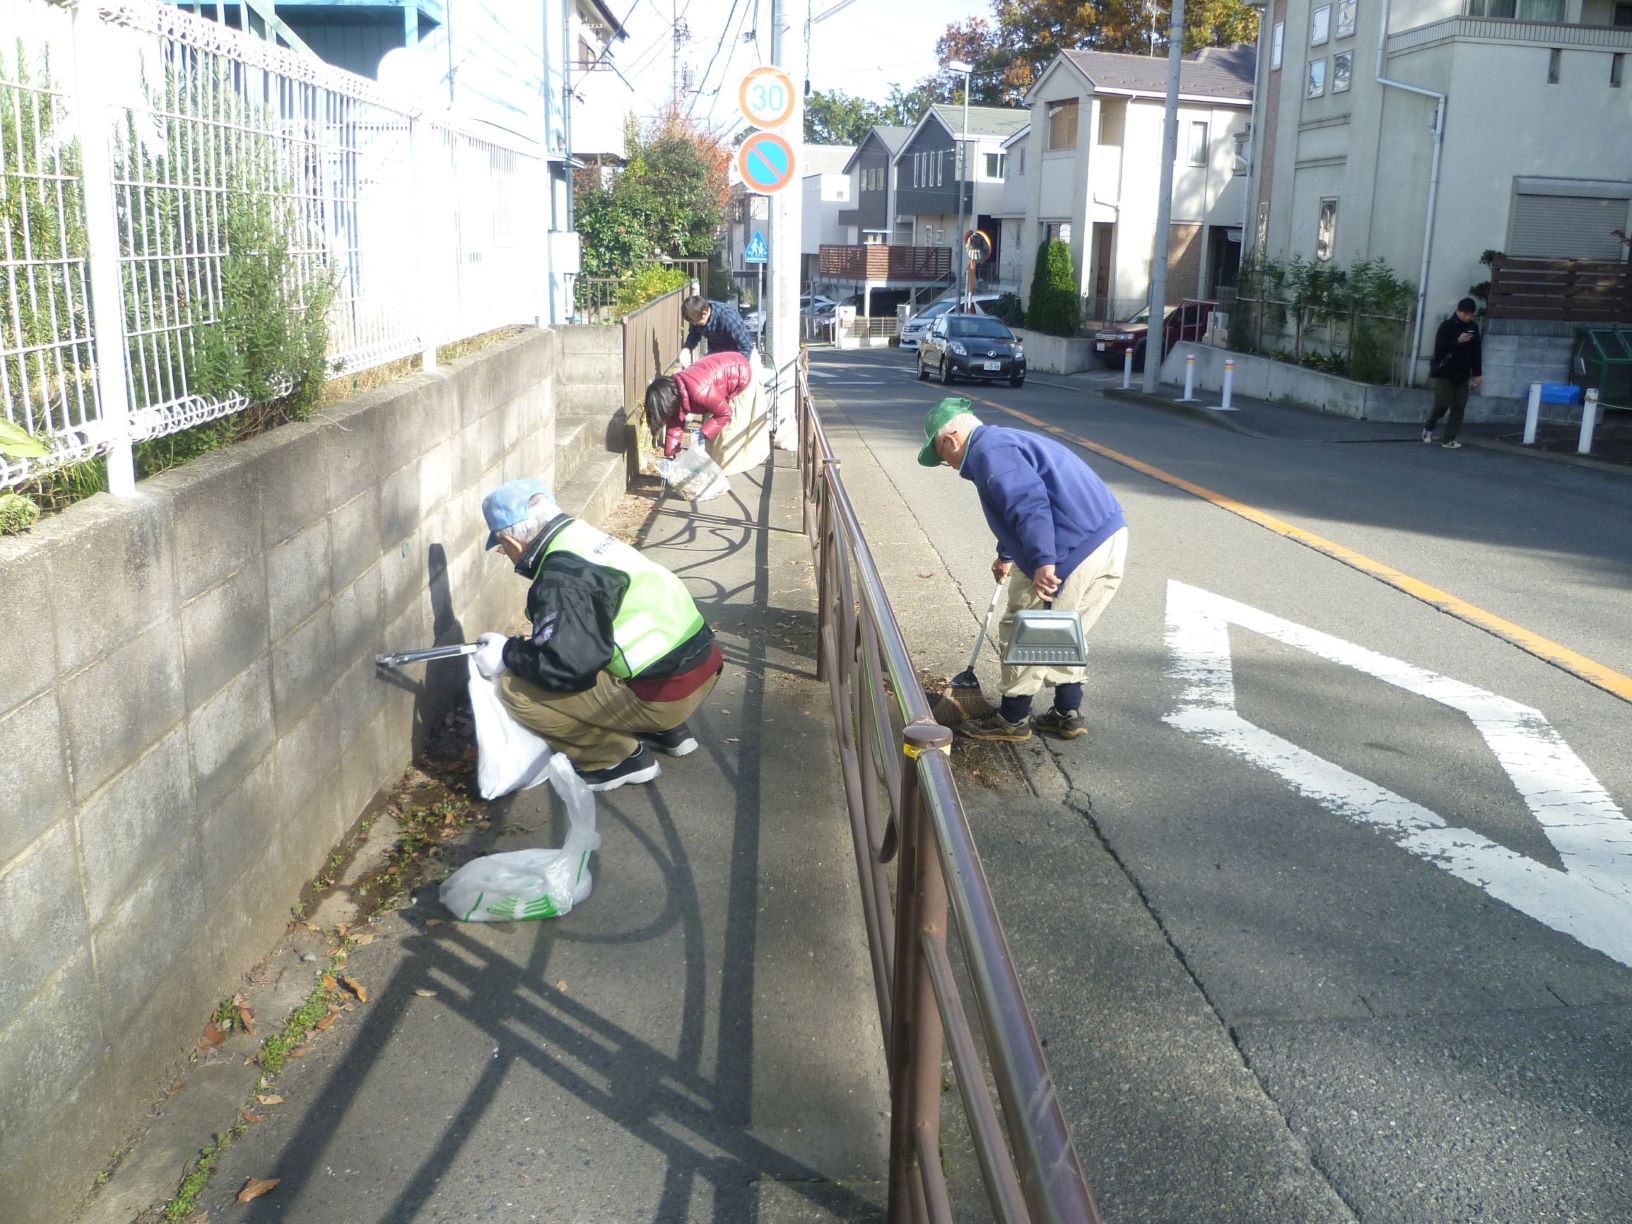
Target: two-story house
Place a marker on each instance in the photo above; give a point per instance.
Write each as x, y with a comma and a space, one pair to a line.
1091, 169
1426, 132
930, 176
1003, 271
872, 186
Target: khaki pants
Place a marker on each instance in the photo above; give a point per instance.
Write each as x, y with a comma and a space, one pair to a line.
595, 728
745, 442
1086, 592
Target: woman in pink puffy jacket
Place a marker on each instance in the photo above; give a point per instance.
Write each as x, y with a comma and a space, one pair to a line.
704, 388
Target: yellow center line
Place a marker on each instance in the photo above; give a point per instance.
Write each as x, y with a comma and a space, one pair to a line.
1593, 672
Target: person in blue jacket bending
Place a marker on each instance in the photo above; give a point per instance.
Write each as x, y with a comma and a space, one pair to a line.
717, 323
1061, 540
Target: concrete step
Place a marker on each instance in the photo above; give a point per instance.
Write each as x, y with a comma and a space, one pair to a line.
594, 488
577, 440
592, 340
588, 398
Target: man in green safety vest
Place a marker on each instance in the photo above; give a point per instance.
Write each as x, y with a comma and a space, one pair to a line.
618, 656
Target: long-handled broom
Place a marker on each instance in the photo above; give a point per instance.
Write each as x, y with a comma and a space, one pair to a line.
961, 699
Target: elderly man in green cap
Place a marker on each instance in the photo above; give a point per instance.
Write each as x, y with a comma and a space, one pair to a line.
1061, 540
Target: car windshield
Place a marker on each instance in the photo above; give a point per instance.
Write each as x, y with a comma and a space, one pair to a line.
987, 329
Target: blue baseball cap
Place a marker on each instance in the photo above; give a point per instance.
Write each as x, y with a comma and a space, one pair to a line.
507, 505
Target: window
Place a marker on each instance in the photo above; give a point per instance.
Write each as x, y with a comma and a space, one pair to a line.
1524, 10
1263, 226
1056, 231
1112, 121
1623, 15
1276, 40
1345, 19
1616, 62
1062, 124
1022, 159
1317, 79
1326, 229
1342, 72
940, 165
996, 163
1555, 61
1198, 144
1320, 26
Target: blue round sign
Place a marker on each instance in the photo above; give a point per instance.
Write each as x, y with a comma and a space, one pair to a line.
766, 163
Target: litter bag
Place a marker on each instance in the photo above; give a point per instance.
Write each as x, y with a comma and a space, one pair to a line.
693, 475
509, 757
525, 885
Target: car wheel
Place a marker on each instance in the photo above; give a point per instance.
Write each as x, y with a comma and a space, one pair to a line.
1017, 380
946, 372
923, 374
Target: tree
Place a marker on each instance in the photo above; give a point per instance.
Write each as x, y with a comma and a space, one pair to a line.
1055, 306
905, 108
836, 118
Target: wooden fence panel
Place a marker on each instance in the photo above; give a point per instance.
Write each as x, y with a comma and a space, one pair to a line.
1570, 290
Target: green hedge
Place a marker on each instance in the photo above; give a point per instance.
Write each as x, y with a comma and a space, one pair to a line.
1056, 307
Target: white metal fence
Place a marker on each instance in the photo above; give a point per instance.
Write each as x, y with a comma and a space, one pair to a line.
185, 209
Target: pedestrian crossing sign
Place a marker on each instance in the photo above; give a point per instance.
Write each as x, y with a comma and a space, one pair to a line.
756, 251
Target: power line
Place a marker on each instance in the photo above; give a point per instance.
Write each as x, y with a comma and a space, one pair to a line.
702, 83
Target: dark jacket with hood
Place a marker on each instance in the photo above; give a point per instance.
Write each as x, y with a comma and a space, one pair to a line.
1454, 361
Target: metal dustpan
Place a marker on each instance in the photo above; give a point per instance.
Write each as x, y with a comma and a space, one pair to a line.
1044, 637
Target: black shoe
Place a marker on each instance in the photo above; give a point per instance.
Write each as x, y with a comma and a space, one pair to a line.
675, 742
994, 728
639, 766
1067, 724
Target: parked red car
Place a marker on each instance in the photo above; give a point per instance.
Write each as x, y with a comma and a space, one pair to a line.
1187, 321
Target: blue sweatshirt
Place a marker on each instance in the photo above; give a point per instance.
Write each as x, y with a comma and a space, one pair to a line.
1044, 505
725, 332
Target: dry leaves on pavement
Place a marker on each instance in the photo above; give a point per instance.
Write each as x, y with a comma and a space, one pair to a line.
255, 1187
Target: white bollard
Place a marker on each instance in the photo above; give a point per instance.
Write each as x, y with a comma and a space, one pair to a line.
1189, 378
1229, 379
1589, 422
1532, 414
1127, 368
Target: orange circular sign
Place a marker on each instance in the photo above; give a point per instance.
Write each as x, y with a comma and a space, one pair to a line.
766, 163
766, 97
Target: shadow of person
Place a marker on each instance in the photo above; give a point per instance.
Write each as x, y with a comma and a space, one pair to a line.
444, 678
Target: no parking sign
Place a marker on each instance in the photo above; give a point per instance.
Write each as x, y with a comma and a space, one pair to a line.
766, 163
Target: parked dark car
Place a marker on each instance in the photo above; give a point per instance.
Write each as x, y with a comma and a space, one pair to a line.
971, 346
1187, 321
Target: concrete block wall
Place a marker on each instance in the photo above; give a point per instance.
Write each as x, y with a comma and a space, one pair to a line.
191, 720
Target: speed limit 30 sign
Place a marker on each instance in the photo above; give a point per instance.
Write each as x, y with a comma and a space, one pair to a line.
766, 97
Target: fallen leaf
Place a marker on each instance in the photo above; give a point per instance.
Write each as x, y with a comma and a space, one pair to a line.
301, 1050
326, 1021
179, 1086
426, 994
327, 982
430, 922
260, 975
257, 1186
340, 928
484, 824
349, 1007
251, 1118
561, 985
213, 1036
356, 988
244, 1014
310, 926
363, 940
269, 1098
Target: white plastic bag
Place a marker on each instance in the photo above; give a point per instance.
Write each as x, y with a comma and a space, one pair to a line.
509, 757
525, 885
693, 475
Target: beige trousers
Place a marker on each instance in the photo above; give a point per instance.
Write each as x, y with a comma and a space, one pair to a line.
1086, 592
595, 728
745, 442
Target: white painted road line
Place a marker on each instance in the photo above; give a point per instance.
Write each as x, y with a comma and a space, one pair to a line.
1589, 900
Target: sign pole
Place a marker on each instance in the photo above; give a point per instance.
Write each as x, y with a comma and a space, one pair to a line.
787, 52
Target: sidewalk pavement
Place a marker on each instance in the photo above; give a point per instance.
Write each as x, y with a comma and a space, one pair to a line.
699, 1040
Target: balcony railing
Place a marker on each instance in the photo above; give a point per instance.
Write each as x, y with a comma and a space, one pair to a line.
884, 262
1506, 29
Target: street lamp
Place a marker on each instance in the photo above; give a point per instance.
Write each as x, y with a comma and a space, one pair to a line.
958, 164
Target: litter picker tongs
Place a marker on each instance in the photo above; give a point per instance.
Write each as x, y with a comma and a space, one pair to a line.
427, 655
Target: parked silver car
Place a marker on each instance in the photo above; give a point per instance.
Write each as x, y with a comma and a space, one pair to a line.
912, 331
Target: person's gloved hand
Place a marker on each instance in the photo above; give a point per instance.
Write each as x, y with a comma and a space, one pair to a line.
490, 658
697, 442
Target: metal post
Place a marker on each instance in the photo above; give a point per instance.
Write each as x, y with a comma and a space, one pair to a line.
1127, 367
786, 209
1164, 199
1229, 380
916, 1037
1189, 375
1532, 414
91, 60
1589, 422
963, 161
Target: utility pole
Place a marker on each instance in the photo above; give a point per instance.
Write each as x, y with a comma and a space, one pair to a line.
1164, 202
788, 33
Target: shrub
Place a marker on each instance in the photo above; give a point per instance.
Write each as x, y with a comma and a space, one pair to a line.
1055, 306
1009, 309
17, 514
651, 282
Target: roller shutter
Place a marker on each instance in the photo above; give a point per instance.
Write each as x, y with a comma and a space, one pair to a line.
1567, 226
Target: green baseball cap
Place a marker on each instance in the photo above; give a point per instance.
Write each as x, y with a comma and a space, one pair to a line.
936, 421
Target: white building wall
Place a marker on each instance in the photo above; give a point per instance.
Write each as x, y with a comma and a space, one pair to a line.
824, 196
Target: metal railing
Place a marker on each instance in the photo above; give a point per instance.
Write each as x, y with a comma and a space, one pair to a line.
904, 805
163, 178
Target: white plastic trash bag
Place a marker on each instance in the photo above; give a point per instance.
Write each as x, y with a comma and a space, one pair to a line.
525, 885
693, 475
509, 757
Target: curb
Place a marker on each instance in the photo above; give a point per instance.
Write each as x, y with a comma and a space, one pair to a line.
1210, 416
1531, 452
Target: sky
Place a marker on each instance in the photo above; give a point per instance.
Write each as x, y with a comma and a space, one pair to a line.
861, 50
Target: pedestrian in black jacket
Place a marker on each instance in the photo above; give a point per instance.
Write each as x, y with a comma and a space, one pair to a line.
1455, 364
717, 323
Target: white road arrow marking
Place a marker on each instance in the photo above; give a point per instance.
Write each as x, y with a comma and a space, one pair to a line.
1589, 900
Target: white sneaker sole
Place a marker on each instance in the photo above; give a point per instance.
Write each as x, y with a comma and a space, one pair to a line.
639, 775
685, 747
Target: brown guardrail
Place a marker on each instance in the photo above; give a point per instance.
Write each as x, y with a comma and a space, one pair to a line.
904, 806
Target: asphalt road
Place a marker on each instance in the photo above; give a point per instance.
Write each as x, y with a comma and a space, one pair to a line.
1330, 916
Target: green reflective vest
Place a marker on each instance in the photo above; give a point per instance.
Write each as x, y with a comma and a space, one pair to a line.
657, 613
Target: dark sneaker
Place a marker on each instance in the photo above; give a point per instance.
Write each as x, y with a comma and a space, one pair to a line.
995, 728
1428, 435
1067, 724
675, 742
639, 766
1450, 446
